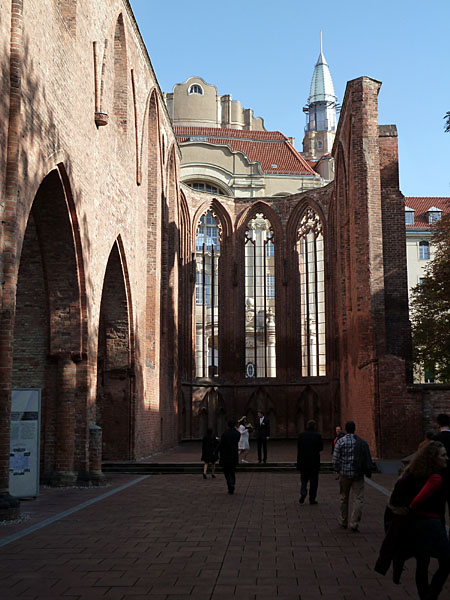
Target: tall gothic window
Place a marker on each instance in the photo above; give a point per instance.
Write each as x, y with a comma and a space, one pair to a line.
310, 247
207, 250
260, 355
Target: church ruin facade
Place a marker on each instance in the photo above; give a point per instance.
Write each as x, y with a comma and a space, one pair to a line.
152, 310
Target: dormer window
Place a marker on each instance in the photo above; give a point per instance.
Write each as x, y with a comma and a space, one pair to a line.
196, 89
409, 215
434, 215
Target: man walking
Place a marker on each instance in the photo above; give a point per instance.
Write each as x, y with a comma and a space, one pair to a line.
352, 460
262, 435
229, 454
309, 447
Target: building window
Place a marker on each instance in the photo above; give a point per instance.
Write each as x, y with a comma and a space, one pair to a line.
429, 373
270, 286
260, 298
201, 186
310, 248
207, 249
424, 250
434, 215
409, 216
319, 145
196, 89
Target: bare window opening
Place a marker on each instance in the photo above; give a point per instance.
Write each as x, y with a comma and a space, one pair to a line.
260, 338
310, 248
207, 253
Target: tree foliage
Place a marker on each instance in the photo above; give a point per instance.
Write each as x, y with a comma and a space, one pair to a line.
430, 307
447, 122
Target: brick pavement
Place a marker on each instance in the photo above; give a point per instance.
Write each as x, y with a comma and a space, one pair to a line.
279, 450
177, 537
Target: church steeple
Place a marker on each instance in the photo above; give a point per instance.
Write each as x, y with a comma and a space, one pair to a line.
321, 110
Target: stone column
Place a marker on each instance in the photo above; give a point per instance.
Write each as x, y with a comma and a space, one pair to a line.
65, 422
95, 455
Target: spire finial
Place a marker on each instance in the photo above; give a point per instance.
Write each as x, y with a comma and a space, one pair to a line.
320, 42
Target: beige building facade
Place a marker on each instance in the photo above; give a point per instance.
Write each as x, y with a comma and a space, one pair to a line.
226, 150
421, 214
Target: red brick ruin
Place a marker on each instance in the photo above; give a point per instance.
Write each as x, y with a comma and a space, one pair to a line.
97, 248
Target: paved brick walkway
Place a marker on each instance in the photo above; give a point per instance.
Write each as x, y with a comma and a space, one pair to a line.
173, 537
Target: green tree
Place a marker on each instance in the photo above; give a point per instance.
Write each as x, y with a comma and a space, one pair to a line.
447, 122
430, 307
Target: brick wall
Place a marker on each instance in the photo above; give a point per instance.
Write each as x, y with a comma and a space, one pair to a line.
105, 184
111, 331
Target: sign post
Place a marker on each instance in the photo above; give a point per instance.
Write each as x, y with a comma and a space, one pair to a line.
24, 443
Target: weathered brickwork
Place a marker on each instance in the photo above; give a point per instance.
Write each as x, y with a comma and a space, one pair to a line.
81, 213
97, 246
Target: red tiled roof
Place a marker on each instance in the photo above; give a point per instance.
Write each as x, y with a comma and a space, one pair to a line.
422, 205
266, 147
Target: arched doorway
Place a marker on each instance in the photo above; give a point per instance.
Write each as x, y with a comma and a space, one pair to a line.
115, 377
48, 328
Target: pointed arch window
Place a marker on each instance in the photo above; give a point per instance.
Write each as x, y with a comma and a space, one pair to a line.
310, 248
207, 251
260, 335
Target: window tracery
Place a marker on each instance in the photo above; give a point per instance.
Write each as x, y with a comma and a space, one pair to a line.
207, 251
260, 334
310, 247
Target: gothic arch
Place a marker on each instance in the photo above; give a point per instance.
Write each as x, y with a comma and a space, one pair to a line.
115, 360
120, 99
260, 400
169, 301
259, 277
185, 230
50, 338
222, 214
296, 215
308, 408
259, 206
151, 131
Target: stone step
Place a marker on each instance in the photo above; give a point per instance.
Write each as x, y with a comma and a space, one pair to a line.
143, 468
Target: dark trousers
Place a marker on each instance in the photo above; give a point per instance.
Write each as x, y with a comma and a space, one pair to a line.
431, 591
262, 444
230, 475
430, 539
311, 476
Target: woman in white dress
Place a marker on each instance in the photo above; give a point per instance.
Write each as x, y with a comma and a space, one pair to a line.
244, 445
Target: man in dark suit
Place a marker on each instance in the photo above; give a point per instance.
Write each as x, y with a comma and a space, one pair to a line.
309, 447
262, 435
443, 421
229, 454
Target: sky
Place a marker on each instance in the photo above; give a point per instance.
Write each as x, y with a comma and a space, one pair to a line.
263, 53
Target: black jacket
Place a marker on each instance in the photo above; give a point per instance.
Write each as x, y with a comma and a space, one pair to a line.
228, 448
309, 447
209, 448
262, 430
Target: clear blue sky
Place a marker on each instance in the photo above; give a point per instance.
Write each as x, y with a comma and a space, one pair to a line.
263, 53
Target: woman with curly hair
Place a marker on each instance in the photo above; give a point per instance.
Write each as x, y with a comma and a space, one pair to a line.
416, 524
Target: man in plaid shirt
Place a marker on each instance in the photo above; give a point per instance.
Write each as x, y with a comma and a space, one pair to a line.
352, 460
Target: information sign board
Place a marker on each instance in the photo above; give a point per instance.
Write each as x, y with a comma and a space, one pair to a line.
24, 443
